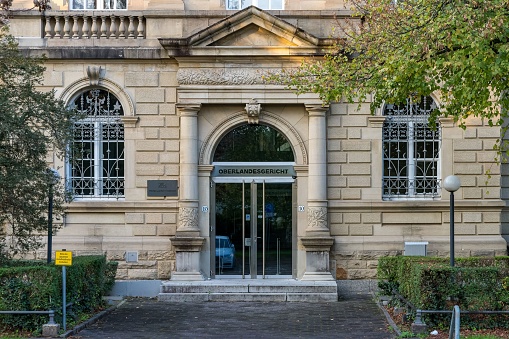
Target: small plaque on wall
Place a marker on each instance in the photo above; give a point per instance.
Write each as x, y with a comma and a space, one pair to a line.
162, 188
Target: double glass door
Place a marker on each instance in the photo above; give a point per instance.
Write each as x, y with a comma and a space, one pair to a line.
252, 228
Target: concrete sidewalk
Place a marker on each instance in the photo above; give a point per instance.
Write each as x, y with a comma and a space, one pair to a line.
356, 316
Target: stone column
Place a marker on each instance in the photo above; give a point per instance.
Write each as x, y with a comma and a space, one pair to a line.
187, 241
317, 241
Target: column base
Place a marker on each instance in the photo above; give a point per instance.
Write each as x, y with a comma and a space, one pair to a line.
317, 276
186, 276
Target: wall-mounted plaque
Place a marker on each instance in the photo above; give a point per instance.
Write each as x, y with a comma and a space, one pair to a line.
162, 188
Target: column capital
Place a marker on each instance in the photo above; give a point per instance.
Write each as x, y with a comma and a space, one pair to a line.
316, 110
188, 109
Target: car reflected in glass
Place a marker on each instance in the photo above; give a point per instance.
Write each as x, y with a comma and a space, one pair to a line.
225, 252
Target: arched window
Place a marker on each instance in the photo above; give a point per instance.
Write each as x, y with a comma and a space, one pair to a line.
254, 143
411, 149
96, 169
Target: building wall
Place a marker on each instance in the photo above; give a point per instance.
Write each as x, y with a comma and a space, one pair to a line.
146, 78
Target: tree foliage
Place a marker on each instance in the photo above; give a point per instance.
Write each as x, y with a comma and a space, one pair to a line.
33, 125
395, 49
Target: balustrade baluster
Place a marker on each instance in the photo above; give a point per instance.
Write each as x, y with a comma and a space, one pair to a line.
47, 28
113, 28
67, 27
130, 28
103, 27
85, 28
141, 28
58, 27
94, 26
75, 27
121, 28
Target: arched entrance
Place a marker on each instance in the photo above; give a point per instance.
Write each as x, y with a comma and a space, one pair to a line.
252, 194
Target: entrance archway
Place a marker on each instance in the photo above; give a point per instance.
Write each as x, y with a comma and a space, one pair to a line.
252, 194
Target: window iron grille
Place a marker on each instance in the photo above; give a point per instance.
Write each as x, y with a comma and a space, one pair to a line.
411, 151
96, 169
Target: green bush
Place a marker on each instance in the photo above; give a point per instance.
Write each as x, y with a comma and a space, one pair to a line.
38, 287
431, 284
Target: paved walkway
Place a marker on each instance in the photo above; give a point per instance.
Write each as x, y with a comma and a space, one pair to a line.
356, 317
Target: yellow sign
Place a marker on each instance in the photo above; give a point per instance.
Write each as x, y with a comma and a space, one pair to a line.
63, 258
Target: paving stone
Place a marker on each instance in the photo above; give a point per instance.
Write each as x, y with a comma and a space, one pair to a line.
354, 317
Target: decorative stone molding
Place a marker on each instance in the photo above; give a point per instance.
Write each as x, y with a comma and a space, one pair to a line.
318, 110
446, 122
188, 218
253, 109
129, 121
94, 75
188, 109
376, 121
317, 244
187, 244
317, 218
206, 152
219, 76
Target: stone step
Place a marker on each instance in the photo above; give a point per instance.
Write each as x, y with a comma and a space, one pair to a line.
249, 290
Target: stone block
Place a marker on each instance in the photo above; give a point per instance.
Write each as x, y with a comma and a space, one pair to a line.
167, 79
142, 79
334, 121
153, 218
488, 132
50, 330
147, 169
362, 274
172, 170
357, 264
134, 218
472, 217
488, 228
359, 181
166, 230
472, 193
53, 79
469, 169
337, 133
144, 230
336, 157
170, 158
167, 109
357, 169
491, 217
152, 121
150, 145
171, 94
336, 181
151, 133
361, 229
470, 133
140, 273
372, 218
170, 133
169, 218
355, 121
149, 95
351, 193
339, 229
470, 144
487, 156
352, 218
359, 157
164, 269
173, 145
354, 133
356, 145
411, 218
466, 156
335, 169
146, 109
147, 158
333, 145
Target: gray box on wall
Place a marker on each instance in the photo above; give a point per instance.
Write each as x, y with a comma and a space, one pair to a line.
162, 188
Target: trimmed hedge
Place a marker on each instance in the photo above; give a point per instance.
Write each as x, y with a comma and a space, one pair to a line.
38, 287
431, 284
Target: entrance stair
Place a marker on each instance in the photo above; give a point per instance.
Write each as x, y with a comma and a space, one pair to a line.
263, 290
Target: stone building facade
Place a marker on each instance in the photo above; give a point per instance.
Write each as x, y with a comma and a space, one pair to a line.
185, 143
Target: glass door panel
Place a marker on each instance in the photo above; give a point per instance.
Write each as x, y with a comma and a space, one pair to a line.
253, 229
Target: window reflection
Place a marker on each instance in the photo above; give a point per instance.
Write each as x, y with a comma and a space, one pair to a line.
253, 143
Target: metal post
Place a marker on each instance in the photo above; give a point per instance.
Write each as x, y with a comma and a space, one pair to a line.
50, 222
451, 222
64, 302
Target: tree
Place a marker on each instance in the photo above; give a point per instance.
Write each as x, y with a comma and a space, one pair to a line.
396, 50
33, 124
